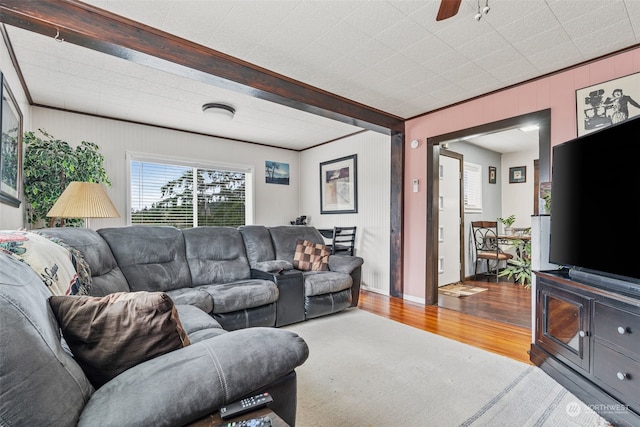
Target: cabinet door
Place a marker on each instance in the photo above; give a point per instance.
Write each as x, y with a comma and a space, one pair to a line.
562, 324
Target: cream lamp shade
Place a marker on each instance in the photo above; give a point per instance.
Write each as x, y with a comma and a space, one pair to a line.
84, 200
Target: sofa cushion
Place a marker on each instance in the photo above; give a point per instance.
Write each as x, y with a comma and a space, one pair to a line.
198, 324
192, 296
106, 276
152, 258
177, 388
258, 244
285, 238
108, 335
230, 297
40, 383
319, 283
215, 255
273, 265
311, 256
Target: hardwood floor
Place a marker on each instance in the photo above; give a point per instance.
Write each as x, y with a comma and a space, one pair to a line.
503, 302
497, 321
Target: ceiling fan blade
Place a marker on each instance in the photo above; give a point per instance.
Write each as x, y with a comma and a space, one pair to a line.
448, 8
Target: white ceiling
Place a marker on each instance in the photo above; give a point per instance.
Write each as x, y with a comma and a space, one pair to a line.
390, 55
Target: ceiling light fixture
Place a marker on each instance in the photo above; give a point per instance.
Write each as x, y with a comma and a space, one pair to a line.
222, 110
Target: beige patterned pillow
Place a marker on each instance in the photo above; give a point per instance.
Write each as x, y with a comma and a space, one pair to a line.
108, 335
311, 256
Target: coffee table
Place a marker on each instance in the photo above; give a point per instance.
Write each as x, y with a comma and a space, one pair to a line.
214, 420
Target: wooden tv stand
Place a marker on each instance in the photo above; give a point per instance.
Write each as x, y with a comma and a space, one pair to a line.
587, 338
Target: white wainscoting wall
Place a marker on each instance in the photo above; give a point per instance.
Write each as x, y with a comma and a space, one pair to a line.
274, 204
373, 217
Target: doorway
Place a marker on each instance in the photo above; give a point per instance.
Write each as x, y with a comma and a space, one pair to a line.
541, 118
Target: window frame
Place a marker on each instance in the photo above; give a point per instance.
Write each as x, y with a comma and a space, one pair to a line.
248, 170
472, 171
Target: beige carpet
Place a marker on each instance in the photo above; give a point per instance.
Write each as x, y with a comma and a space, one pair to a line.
364, 370
460, 290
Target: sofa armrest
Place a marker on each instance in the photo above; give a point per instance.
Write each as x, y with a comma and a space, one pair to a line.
187, 384
344, 263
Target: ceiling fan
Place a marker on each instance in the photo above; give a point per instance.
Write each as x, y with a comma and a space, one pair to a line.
448, 8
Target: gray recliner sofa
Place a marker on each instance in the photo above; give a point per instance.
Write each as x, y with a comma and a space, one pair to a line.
325, 292
41, 383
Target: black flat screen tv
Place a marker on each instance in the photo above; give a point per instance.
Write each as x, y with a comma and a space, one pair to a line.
595, 220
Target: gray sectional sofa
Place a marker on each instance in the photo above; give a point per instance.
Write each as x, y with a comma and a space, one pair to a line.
230, 287
231, 274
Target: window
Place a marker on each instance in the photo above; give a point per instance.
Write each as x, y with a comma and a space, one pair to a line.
162, 193
472, 188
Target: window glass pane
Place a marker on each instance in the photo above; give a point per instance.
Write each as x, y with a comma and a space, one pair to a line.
163, 194
221, 198
472, 188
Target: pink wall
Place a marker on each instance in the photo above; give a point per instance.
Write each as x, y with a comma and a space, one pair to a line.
556, 92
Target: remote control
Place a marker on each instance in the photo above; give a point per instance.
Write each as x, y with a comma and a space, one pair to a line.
253, 422
245, 405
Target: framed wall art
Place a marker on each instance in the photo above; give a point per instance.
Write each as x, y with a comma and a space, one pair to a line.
517, 174
607, 103
339, 185
276, 173
492, 175
10, 147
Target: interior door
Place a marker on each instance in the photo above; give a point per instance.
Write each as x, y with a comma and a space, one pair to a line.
449, 220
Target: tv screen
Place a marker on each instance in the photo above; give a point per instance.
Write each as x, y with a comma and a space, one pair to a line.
594, 218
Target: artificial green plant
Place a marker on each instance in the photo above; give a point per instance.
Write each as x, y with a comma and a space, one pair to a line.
508, 221
519, 267
50, 165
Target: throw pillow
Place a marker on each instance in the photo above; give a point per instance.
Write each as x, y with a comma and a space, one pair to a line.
108, 335
311, 256
55, 265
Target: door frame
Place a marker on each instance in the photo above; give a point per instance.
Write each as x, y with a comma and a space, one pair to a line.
460, 157
542, 118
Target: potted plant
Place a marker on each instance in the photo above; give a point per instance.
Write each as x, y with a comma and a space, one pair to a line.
519, 267
546, 196
49, 166
508, 222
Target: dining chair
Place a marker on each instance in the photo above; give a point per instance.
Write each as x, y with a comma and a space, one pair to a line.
485, 238
343, 240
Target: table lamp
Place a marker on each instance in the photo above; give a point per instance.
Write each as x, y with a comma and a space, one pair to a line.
84, 200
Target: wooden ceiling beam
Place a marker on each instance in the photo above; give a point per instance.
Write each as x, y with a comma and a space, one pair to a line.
100, 30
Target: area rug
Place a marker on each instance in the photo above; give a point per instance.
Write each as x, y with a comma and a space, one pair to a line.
365, 370
460, 290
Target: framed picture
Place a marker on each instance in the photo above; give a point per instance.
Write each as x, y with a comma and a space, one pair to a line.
607, 103
276, 173
517, 174
339, 185
10, 147
492, 174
